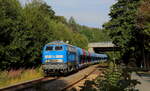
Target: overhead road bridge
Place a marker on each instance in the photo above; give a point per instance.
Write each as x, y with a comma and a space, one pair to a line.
100, 47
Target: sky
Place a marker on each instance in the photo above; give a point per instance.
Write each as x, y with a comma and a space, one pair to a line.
92, 13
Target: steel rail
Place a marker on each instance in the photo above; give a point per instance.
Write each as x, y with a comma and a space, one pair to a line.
32, 83
27, 84
72, 84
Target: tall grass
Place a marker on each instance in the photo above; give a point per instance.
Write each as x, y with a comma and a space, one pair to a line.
12, 77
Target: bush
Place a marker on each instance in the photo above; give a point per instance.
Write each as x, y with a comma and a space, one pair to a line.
116, 79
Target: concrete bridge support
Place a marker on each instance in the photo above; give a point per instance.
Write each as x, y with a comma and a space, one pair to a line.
102, 47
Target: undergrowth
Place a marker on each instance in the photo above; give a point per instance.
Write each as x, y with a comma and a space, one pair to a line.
116, 78
12, 77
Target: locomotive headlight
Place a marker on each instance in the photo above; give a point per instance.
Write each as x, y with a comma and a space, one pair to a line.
48, 56
46, 61
59, 56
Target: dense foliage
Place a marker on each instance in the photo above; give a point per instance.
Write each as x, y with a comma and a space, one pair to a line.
129, 29
95, 34
117, 78
24, 30
92, 34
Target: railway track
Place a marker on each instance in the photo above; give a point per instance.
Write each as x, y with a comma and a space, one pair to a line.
76, 82
28, 84
52, 83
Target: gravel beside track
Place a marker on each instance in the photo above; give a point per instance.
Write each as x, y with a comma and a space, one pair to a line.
92, 77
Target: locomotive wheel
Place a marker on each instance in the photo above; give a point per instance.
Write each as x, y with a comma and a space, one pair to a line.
77, 68
65, 72
69, 69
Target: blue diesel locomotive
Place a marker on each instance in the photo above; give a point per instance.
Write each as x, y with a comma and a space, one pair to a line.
63, 58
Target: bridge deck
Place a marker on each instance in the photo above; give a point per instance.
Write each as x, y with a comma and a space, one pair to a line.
102, 47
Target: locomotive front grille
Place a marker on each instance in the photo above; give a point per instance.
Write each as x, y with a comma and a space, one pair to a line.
54, 60
58, 60
49, 66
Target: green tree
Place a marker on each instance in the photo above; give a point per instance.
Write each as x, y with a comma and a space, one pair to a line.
80, 40
122, 27
143, 27
37, 18
94, 34
73, 25
24, 30
10, 26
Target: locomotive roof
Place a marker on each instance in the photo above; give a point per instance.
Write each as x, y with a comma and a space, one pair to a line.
79, 49
58, 43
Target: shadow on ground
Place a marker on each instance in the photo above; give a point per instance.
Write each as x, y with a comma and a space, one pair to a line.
144, 74
56, 85
88, 86
125, 83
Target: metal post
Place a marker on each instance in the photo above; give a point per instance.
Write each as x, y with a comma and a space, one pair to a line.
114, 57
144, 55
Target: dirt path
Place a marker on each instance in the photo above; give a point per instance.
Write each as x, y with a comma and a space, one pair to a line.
144, 79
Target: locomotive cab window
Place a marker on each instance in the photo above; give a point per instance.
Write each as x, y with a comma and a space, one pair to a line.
49, 48
57, 48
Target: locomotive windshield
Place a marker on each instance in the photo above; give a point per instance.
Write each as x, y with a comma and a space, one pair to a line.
49, 48
57, 48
